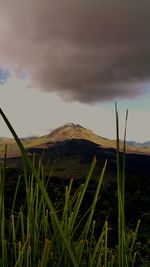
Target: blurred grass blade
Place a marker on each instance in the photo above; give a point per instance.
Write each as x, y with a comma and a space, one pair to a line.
80, 199
45, 254
133, 240
39, 182
89, 220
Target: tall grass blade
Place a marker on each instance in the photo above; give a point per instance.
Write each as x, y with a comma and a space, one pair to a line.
45, 255
89, 220
106, 244
122, 252
39, 182
80, 199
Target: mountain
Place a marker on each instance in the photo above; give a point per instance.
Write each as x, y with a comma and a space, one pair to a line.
145, 144
75, 131
71, 147
69, 131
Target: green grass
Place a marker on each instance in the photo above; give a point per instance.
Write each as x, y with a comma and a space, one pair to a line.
39, 234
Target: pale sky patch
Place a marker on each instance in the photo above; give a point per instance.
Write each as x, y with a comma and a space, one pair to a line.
34, 112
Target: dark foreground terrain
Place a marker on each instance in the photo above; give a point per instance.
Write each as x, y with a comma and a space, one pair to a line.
70, 159
67, 153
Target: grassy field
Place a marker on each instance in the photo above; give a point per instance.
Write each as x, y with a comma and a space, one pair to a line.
40, 233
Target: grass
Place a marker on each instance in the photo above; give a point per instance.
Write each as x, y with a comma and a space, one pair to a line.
40, 234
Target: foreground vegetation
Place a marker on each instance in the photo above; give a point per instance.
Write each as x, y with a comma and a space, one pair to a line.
37, 233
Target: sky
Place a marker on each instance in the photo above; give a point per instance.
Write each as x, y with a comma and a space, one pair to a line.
69, 61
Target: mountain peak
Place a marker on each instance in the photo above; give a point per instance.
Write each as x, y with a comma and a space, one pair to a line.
68, 131
73, 125
71, 131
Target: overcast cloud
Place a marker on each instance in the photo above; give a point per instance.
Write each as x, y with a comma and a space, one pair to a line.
85, 50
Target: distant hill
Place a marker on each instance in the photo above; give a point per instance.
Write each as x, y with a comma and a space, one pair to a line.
136, 144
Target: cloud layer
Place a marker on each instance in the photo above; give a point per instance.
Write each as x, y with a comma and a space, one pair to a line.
86, 51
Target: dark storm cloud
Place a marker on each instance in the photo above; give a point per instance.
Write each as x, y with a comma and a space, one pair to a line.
85, 50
